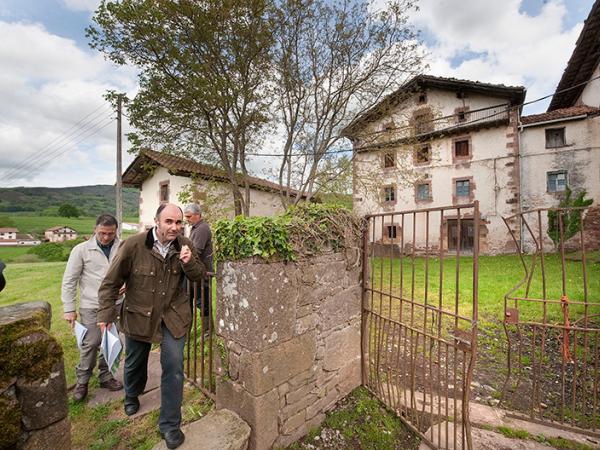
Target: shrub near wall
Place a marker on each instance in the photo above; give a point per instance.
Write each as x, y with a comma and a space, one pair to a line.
288, 318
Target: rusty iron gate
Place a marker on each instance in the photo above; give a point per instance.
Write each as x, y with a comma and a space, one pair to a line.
419, 321
198, 366
552, 322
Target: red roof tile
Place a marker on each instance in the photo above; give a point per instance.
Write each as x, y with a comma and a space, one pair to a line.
557, 114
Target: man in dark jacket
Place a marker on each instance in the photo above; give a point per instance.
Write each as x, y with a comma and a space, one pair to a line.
156, 310
201, 237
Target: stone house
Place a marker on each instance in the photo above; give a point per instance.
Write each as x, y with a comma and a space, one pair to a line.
442, 141
161, 178
60, 234
437, 142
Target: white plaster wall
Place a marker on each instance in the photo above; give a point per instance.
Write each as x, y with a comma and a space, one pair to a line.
591, 93
261, 203
488, 169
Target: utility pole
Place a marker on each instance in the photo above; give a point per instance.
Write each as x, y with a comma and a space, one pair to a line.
119, 186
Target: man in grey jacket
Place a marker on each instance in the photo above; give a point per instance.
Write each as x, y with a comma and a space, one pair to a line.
87, 266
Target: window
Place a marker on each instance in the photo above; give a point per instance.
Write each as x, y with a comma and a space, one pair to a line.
389, 160
557, 181
392, 231
423, 191
461, 114
463, 188
423, 154
164, 192
423, 121
555, 137
461, 149
389, 194
422, 98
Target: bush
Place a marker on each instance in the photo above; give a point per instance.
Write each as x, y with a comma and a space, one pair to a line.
27, 258
49, 251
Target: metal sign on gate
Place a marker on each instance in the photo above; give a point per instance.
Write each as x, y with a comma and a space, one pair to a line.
419, 326
552, 322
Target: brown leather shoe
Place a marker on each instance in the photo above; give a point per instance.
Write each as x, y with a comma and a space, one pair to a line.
80, 392
112, 385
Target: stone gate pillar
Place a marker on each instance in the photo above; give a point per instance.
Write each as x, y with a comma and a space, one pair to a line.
289, 341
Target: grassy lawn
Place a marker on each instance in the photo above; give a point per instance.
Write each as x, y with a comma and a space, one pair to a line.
9, 254
497, 276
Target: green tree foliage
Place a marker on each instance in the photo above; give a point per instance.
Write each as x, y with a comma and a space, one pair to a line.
6, 222
570, 218
50, 251
68, 210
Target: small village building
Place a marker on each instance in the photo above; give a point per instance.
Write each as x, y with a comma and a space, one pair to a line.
162, 178
8, 234
60, 234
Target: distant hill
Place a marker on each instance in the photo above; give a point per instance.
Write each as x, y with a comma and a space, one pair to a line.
91, 200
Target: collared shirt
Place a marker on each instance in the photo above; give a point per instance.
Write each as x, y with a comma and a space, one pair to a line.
105, 248
160, 248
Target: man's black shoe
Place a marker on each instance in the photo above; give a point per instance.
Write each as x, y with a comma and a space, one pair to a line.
132, 405
173, 438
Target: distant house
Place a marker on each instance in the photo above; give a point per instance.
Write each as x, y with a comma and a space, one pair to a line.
60, 234
161, 177
12, 237
8, 234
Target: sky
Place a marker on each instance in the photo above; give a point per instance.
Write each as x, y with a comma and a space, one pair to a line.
57, 130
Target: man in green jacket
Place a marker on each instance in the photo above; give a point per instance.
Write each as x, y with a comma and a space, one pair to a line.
156, 309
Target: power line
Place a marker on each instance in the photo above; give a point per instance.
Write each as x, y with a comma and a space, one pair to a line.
82, 127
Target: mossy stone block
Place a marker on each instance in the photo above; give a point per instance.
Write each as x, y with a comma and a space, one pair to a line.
10, 418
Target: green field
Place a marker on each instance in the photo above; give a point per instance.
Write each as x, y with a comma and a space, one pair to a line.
27, 223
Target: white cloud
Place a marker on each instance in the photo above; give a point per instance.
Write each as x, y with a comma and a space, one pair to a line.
493, 41
81, 5
48, 132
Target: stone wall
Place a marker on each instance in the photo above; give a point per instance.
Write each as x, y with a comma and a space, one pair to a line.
289, 337
33, 388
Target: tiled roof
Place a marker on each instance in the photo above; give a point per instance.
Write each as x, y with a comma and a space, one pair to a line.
59, 227
557, 114
8, 230
582, 63
136, 173
516, 95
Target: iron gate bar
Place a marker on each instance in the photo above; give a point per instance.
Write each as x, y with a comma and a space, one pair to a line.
413, 348
573, 333
205, 381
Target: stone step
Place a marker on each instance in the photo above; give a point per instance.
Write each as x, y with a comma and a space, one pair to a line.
218, 430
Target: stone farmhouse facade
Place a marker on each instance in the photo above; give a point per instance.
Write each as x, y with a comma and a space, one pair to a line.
161, 178
8, 234
60, 234
443, 141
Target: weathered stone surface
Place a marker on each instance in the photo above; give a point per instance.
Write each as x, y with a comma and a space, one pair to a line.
340, 308
298, 394
349, 377
260, 372
259, 412
342, 347
290, 410
322, 405
34, 313
306, 323
57, 435
10, 417
257, 303
218, 430
321, 279
43, 402
293, 422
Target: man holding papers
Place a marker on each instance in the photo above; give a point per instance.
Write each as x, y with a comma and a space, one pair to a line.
86, 268
156, 309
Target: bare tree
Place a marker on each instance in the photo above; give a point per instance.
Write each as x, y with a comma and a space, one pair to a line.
333, 61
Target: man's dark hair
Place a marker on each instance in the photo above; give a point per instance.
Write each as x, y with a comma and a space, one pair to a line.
106, 220
161, 207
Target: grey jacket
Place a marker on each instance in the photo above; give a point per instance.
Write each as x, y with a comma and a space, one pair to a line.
86, 267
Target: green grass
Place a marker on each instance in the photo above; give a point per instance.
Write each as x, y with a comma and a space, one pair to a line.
497, 276
38, 224
9, 254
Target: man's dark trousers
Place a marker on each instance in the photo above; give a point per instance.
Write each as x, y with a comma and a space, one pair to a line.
171, 380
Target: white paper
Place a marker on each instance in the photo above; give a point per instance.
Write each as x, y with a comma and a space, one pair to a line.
80, 331
111, 347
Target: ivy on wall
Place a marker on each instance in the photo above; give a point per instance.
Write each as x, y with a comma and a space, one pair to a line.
303, 230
